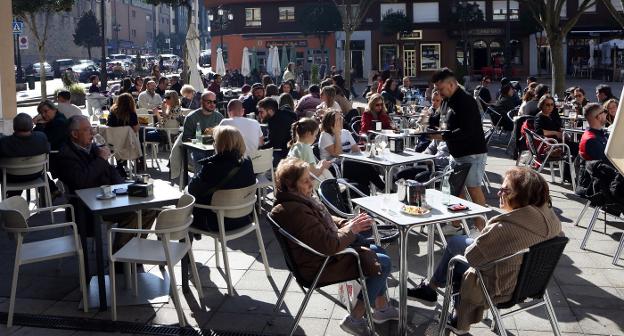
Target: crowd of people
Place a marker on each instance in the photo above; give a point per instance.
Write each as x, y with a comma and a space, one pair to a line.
308, 130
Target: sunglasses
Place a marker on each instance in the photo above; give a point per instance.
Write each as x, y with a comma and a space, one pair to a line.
504, 191
209, 101
167, 98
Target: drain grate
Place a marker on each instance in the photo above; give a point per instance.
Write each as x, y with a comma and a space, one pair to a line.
95, 325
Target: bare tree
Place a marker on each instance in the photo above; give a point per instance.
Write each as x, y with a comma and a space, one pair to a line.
28, 10
548, 14
352, 14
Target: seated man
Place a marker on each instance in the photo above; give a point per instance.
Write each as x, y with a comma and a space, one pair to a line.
306, 106
81, 164
24, 142
249, 128
63, 97
51, 122
594, 139
207, 117
149, 99
280, 122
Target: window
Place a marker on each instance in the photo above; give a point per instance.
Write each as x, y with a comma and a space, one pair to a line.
516, 52
426, 12
147, 18
564, 9
386, 9
481, 5
252, 17
499, 10
287, 13
618, 5
429, 57
592, 8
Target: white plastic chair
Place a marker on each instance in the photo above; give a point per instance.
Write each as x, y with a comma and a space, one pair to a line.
14, 215
262, 164
22, 166
171, 226
233, 203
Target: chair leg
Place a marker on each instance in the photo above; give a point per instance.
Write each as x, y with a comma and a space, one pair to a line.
113, 289
552, 318
174, 293
304, 304
83, 282
198, 285
590, 227
282, 294
442, 238
216, 243
16, 267
552, 172
618, 252
265, 261
226, 265
578, 220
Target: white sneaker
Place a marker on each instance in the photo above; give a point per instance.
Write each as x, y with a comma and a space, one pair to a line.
357, 327
386, 314
451, 230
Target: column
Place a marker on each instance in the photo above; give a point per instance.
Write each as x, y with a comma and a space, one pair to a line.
8, 102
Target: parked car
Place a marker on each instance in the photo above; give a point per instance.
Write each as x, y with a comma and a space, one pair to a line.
59, 66
120, 57
85, 61
34, 69
85, 70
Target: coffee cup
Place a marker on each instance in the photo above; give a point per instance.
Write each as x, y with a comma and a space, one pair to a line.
107, 190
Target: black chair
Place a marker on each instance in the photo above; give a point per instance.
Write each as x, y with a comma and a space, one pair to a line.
286, 242
516, 142
338, 202
538, 265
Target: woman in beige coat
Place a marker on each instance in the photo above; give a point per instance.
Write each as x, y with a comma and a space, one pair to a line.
528, 219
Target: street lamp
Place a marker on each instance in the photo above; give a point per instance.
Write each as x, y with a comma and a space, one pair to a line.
224, 18
116, 28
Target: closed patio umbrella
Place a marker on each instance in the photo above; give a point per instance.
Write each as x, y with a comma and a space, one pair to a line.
220, 64
192, 56
275, 69
245, 66
284, 56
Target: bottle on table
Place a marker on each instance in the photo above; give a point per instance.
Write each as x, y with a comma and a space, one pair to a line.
198, 132
446, 190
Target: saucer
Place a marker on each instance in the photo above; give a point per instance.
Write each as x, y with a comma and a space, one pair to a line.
105, 197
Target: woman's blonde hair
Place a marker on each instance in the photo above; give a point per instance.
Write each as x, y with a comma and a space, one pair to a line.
174, 98
228, 139
526, 187
372, 100
288, 172
187, 89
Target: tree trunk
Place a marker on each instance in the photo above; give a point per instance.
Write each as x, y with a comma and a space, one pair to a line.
185, 68
558, 66
347, 57
42, 70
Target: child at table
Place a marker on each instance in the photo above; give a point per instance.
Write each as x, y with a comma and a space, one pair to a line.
305, 132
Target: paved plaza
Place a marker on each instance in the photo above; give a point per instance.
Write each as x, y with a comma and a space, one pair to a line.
587, 289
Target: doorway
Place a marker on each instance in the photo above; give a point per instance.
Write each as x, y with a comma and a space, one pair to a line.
357, 63
480, 54
409, 63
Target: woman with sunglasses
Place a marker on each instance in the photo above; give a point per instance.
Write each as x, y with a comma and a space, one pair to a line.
547, 121
376, 111
527, 219
169, 117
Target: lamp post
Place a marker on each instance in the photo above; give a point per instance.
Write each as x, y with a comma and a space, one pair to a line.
224, 18
103, 77
538, 42
116, 29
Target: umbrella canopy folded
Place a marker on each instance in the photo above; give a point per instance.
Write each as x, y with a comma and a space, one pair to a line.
275, 69
192, 57
220, 64
245, 66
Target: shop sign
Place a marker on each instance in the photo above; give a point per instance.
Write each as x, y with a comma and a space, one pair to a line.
413, 35
288, 43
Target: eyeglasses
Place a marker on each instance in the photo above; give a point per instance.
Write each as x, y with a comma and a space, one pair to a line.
167, 98
504, 191
209, 101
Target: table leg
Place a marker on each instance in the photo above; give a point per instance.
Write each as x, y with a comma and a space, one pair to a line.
99, 257
185, 269
185, 162
388, 179
430, 249
403, 271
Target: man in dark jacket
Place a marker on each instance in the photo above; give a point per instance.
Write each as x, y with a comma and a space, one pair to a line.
280, 122
465, 139
81, 165
250, 103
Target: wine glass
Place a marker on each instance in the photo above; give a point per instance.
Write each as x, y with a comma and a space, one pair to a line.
383, 143
99, 140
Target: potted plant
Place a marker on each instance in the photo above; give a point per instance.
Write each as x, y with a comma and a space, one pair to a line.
78, 94
314, 74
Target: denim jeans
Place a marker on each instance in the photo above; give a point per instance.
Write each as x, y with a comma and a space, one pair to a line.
455, 245
376, 284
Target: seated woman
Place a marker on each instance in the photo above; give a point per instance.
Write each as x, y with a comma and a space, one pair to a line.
190, 98
315, 227
123, 113
527, 97
328, 102
611, 106
304, 133
169, 117
376, 111
504, 104
335, 140
227, 169
528, 219
547, 122
289, 87
430, 116
388, 92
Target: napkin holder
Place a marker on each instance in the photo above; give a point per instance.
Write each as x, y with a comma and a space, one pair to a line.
396, 144
141, 189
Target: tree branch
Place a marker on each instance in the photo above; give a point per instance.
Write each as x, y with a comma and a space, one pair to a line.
616, 15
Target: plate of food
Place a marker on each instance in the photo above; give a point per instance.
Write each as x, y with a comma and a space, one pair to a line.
413, 210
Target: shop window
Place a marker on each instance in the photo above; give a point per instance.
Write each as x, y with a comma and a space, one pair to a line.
388, 57
497, 56
429, 56
253, 17
499, 10
386, 9
459, 53
426, 12
479, 44
287, 13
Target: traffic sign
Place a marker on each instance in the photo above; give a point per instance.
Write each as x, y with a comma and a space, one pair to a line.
23, 42
18, 27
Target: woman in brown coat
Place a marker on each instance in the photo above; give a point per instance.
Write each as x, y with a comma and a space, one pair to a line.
528, 220
307, 220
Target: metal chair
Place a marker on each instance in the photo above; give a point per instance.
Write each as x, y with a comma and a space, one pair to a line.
26, 166
262, 164
171, 226
14, 216
286, 240
538, 265
233, 203
542, 150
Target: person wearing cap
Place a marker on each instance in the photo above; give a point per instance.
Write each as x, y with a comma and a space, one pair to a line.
250, 103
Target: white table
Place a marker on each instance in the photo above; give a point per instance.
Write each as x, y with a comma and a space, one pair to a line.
378, 207
164, 194
388, 161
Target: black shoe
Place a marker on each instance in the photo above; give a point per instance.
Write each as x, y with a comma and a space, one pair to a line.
452, 325
423, 293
